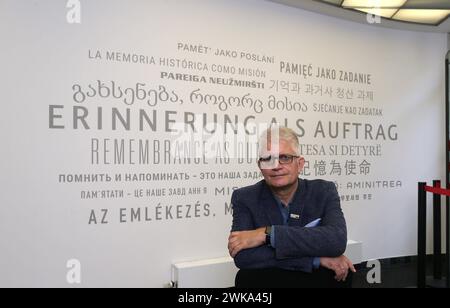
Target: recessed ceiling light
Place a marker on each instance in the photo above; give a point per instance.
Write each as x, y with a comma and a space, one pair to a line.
370, 4
433, 17
427, 4
417, 11
388, 13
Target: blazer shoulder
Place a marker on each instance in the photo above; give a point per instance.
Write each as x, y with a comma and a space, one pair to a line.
319, 185
248, 191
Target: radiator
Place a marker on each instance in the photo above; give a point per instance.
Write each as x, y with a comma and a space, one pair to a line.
220, 272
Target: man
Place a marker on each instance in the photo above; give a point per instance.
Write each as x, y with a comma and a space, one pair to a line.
284, 222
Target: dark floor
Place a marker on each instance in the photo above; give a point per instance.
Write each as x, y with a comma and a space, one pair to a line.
395, 273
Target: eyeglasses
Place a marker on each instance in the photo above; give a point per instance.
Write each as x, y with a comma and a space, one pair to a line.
269, 161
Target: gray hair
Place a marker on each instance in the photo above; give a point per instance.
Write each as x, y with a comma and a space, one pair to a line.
279, 133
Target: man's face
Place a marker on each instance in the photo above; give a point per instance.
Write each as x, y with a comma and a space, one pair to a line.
282, 175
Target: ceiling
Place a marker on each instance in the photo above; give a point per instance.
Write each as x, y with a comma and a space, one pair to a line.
353, 11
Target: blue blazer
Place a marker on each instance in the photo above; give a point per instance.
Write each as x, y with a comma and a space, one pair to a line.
296, 246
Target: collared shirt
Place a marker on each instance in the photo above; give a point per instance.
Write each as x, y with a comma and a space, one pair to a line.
284, 210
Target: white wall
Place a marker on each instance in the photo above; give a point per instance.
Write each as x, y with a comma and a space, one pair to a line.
45, 222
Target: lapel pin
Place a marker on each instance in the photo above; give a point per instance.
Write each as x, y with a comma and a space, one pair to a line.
295, 216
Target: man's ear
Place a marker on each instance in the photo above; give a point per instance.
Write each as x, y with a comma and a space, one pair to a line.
301, 164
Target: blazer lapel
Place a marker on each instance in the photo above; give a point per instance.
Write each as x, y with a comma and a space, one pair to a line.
297, 205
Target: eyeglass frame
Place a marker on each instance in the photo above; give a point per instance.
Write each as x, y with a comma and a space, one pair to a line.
270, 158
